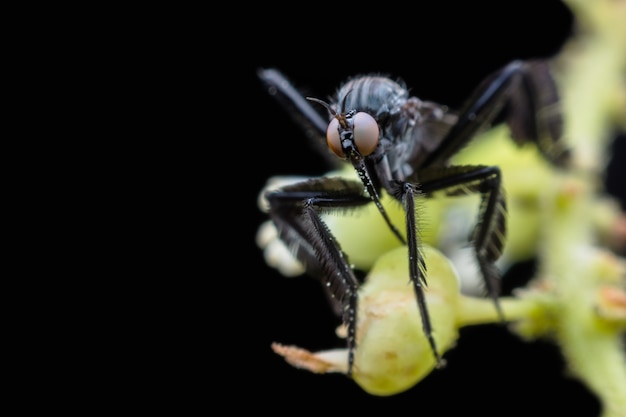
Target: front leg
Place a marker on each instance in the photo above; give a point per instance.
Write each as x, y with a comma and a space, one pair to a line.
407, 192
296, 211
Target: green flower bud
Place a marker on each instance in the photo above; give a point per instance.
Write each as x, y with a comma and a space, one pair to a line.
393, 353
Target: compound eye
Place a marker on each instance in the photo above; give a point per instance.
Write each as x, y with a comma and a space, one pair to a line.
365, 133
333, 139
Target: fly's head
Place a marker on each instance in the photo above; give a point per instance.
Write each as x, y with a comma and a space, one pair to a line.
351, 134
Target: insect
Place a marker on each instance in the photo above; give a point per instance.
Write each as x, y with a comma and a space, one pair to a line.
401, 145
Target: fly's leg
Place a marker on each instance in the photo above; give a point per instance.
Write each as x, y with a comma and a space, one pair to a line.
524, 94
299, 108
296, 211
489, 234
407, 193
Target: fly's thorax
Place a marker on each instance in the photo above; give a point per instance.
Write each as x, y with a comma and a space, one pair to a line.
377, 95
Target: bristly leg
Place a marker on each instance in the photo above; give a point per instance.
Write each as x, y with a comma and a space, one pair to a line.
295, 210
343, 284
489, 235
417, 265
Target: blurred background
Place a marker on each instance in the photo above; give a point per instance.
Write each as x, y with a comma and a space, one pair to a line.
442, 52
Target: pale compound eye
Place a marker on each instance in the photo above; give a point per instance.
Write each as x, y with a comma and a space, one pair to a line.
365, 133
333, 139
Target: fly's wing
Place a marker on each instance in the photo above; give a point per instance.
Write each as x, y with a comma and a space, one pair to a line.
432, 123
304, 114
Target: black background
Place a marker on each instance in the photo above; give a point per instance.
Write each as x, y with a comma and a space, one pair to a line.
441, 52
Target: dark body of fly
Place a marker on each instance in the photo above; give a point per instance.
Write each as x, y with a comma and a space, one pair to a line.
402, 145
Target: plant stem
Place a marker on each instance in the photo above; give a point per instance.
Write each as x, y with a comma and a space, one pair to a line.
594, 65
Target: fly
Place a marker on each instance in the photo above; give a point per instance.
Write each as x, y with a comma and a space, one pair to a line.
402, 145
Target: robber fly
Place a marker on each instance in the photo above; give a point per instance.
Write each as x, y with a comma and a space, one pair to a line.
402, 145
